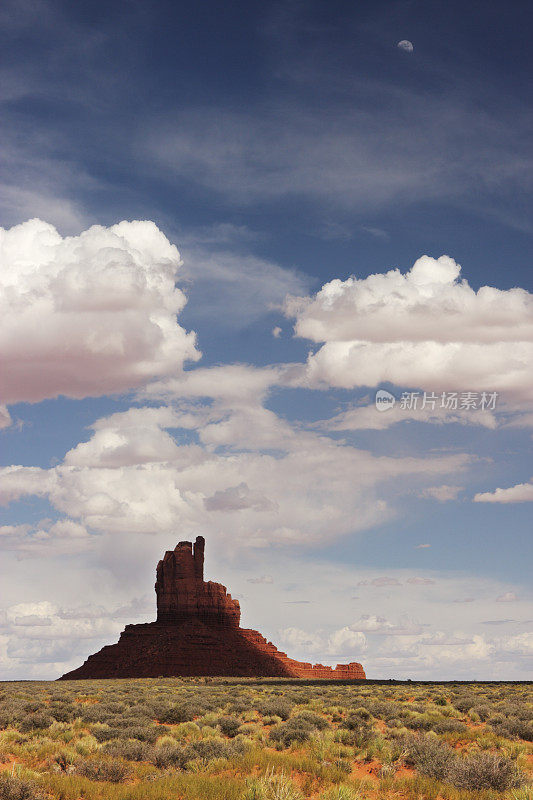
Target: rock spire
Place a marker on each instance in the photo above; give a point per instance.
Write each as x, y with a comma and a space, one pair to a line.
197, 632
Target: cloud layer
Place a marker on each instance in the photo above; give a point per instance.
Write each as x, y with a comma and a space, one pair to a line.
521, 493
91, 314
229, 466
424, 329
343, 159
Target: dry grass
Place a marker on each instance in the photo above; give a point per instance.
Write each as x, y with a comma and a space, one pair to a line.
222, 739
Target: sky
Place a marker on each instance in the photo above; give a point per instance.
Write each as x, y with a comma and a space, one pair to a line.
265, 277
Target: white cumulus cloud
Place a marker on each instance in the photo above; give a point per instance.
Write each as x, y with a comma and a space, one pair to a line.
344, 642
91, 314
248, 474
521, 493
426, 328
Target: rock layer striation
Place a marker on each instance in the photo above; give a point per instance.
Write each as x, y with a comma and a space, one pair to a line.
197, 632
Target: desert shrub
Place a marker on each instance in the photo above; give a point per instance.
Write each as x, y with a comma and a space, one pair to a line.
109, 769
239, 706
251, 729
182, 712
465, 702
207, 749
358, 729
448, 726
483, 711
275, 707
519, 710
168, 754
418, 722
148, 733
64, 762
210, 720
113, 707
309, 717
513, 727
129, 721
155, 708
485, 771
141, 709
345, 737
362, 712
297, 728
39, 719
130, 749
429, 756
229, 726
96, 713
62, 713
382, 709
14, 788
286, 733
271, 720
34, 705
418, 708
440, 700
103, 733
5, 718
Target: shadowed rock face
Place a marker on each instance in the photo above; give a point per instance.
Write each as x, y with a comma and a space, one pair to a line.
197, 633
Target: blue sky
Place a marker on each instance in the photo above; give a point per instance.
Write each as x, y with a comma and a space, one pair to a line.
322, 187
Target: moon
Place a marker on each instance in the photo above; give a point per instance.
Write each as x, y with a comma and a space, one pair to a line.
406, 46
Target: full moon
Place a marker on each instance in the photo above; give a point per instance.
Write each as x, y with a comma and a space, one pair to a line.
406, 46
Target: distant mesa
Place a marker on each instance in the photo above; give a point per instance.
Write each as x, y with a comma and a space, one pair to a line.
197, 632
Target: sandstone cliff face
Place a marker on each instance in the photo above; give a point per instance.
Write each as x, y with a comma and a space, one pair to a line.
182, 593
197, 633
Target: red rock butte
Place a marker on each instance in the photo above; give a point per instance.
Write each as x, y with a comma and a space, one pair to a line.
197, 632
